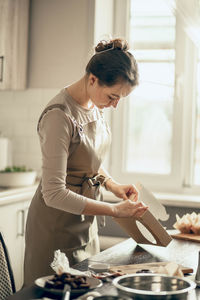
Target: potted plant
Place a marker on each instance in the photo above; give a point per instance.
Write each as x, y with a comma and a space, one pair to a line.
17, 176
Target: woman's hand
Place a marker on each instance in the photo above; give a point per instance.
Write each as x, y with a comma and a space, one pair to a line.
129, 208
123, 191
126, 208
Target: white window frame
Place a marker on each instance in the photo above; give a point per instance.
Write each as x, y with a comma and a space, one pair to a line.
180, 179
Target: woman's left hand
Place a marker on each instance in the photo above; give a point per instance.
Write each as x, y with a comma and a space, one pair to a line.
123, 191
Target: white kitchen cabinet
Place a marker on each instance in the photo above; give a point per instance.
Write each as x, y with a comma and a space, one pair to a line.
14, 17
12, 226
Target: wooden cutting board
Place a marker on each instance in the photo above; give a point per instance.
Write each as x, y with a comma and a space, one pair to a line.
187, 237
128, 269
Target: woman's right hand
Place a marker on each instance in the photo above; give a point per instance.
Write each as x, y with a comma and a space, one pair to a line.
129, 208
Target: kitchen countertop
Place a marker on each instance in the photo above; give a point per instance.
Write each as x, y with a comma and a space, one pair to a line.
11, 195
129, 252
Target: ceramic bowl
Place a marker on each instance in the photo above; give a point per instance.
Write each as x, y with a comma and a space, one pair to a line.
17, 179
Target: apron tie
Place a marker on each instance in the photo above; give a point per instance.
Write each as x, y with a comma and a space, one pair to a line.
97, 181
94, 181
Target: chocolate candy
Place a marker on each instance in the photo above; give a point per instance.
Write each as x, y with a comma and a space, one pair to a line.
74, 281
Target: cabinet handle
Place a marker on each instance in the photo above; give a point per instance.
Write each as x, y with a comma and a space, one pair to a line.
21, 220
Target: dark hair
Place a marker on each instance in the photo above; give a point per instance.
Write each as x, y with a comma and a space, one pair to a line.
112, 62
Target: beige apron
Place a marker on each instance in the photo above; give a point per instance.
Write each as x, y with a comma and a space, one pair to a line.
49, 229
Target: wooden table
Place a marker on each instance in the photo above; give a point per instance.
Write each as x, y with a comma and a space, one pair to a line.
128, 252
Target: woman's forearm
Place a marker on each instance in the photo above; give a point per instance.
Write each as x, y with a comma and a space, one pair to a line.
127, 208
98, 208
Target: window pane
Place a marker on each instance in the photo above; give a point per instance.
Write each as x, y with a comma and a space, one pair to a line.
154, 55
152, 23
149, 131
150, 106
197, 149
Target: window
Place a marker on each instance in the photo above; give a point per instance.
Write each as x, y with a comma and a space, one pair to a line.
150, 108
156, 130
197, 138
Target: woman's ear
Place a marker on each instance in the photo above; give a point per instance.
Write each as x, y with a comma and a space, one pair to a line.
92, 79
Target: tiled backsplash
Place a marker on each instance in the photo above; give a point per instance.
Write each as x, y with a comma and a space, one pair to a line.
19, 113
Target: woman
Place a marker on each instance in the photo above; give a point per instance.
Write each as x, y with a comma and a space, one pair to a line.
74, 138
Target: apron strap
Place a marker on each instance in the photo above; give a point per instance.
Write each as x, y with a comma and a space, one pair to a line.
61, 106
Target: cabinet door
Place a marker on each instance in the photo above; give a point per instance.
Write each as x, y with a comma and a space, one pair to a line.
13, 43
12, 222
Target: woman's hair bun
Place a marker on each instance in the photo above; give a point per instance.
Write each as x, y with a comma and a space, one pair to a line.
120, 44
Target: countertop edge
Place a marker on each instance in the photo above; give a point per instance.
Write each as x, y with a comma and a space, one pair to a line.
12, 195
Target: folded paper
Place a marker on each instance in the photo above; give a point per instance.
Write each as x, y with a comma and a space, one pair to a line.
155, 207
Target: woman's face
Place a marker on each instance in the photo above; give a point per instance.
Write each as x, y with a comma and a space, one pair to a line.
106, 96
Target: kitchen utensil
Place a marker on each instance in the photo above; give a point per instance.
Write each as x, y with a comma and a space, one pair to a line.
66, 292
187, 237
153, 286
128, 269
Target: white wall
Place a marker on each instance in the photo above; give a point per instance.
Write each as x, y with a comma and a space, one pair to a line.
19, 113
60, 36
61, 39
